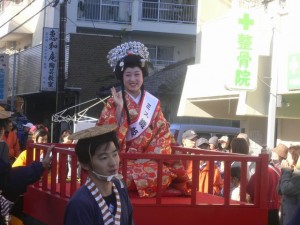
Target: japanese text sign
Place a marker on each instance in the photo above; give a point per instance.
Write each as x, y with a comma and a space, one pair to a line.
245, 63
49, 59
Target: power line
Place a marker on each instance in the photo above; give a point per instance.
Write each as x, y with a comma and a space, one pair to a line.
17, 13
69, 1
24, 22
52, 2
67, 16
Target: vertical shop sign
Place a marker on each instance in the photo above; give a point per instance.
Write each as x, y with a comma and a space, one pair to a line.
244, 75
294, 71
4, 59
49, 59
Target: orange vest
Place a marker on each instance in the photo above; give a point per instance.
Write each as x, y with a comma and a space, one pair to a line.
12, 143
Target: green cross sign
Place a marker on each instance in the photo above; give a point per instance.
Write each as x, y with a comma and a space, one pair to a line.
246, 21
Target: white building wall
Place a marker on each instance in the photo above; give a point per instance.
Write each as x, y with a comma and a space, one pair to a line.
33, 9
30, 33
288, 132
252, 109
183, 48
72, 22
290, 36
47, 18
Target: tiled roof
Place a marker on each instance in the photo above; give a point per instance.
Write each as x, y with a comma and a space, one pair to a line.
169, 80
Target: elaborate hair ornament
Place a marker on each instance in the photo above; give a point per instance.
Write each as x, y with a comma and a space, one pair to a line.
127, 48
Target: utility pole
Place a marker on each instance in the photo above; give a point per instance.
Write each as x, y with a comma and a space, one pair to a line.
61, 64
273, 89
275, 65
13, 91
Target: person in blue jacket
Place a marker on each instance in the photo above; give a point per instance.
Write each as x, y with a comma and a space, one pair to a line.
296, 217
14, 181
103, 199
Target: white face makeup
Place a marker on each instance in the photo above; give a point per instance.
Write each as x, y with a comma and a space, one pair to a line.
133, 80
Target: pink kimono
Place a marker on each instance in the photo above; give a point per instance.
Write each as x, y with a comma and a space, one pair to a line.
148, 133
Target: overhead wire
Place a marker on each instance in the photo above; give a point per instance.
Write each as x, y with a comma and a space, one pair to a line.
67, 16
69, 1
17, 13
34, 16
25, 21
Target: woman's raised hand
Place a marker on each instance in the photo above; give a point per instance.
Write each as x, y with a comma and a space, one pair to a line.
117, 97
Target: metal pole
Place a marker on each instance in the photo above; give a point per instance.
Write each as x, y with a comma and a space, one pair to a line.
52, 127
12, 101
61, 72
75, 109
45, 13
61, 64
274, 83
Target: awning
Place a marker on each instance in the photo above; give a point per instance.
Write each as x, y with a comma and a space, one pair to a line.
204, 95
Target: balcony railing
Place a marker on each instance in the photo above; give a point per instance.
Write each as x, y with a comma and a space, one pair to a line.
168, 12
157, 62
115, 11
120, 11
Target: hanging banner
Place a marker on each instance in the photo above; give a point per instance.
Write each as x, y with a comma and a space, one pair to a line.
245, 58
4, 59
49, 59
294, 71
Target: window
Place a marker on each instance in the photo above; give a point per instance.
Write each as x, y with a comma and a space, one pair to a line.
104, 10
109, 10
150, 9
161, 55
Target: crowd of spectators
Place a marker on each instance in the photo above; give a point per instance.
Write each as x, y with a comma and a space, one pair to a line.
283, 195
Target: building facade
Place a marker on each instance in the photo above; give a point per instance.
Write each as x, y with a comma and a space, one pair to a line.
166, 27
269, 112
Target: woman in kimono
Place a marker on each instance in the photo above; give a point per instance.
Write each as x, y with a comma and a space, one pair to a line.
142, 127
103, 200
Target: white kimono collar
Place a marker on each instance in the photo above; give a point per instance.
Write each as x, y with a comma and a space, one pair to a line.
137, 99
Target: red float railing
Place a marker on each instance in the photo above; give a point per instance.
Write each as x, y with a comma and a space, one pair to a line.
55, 185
